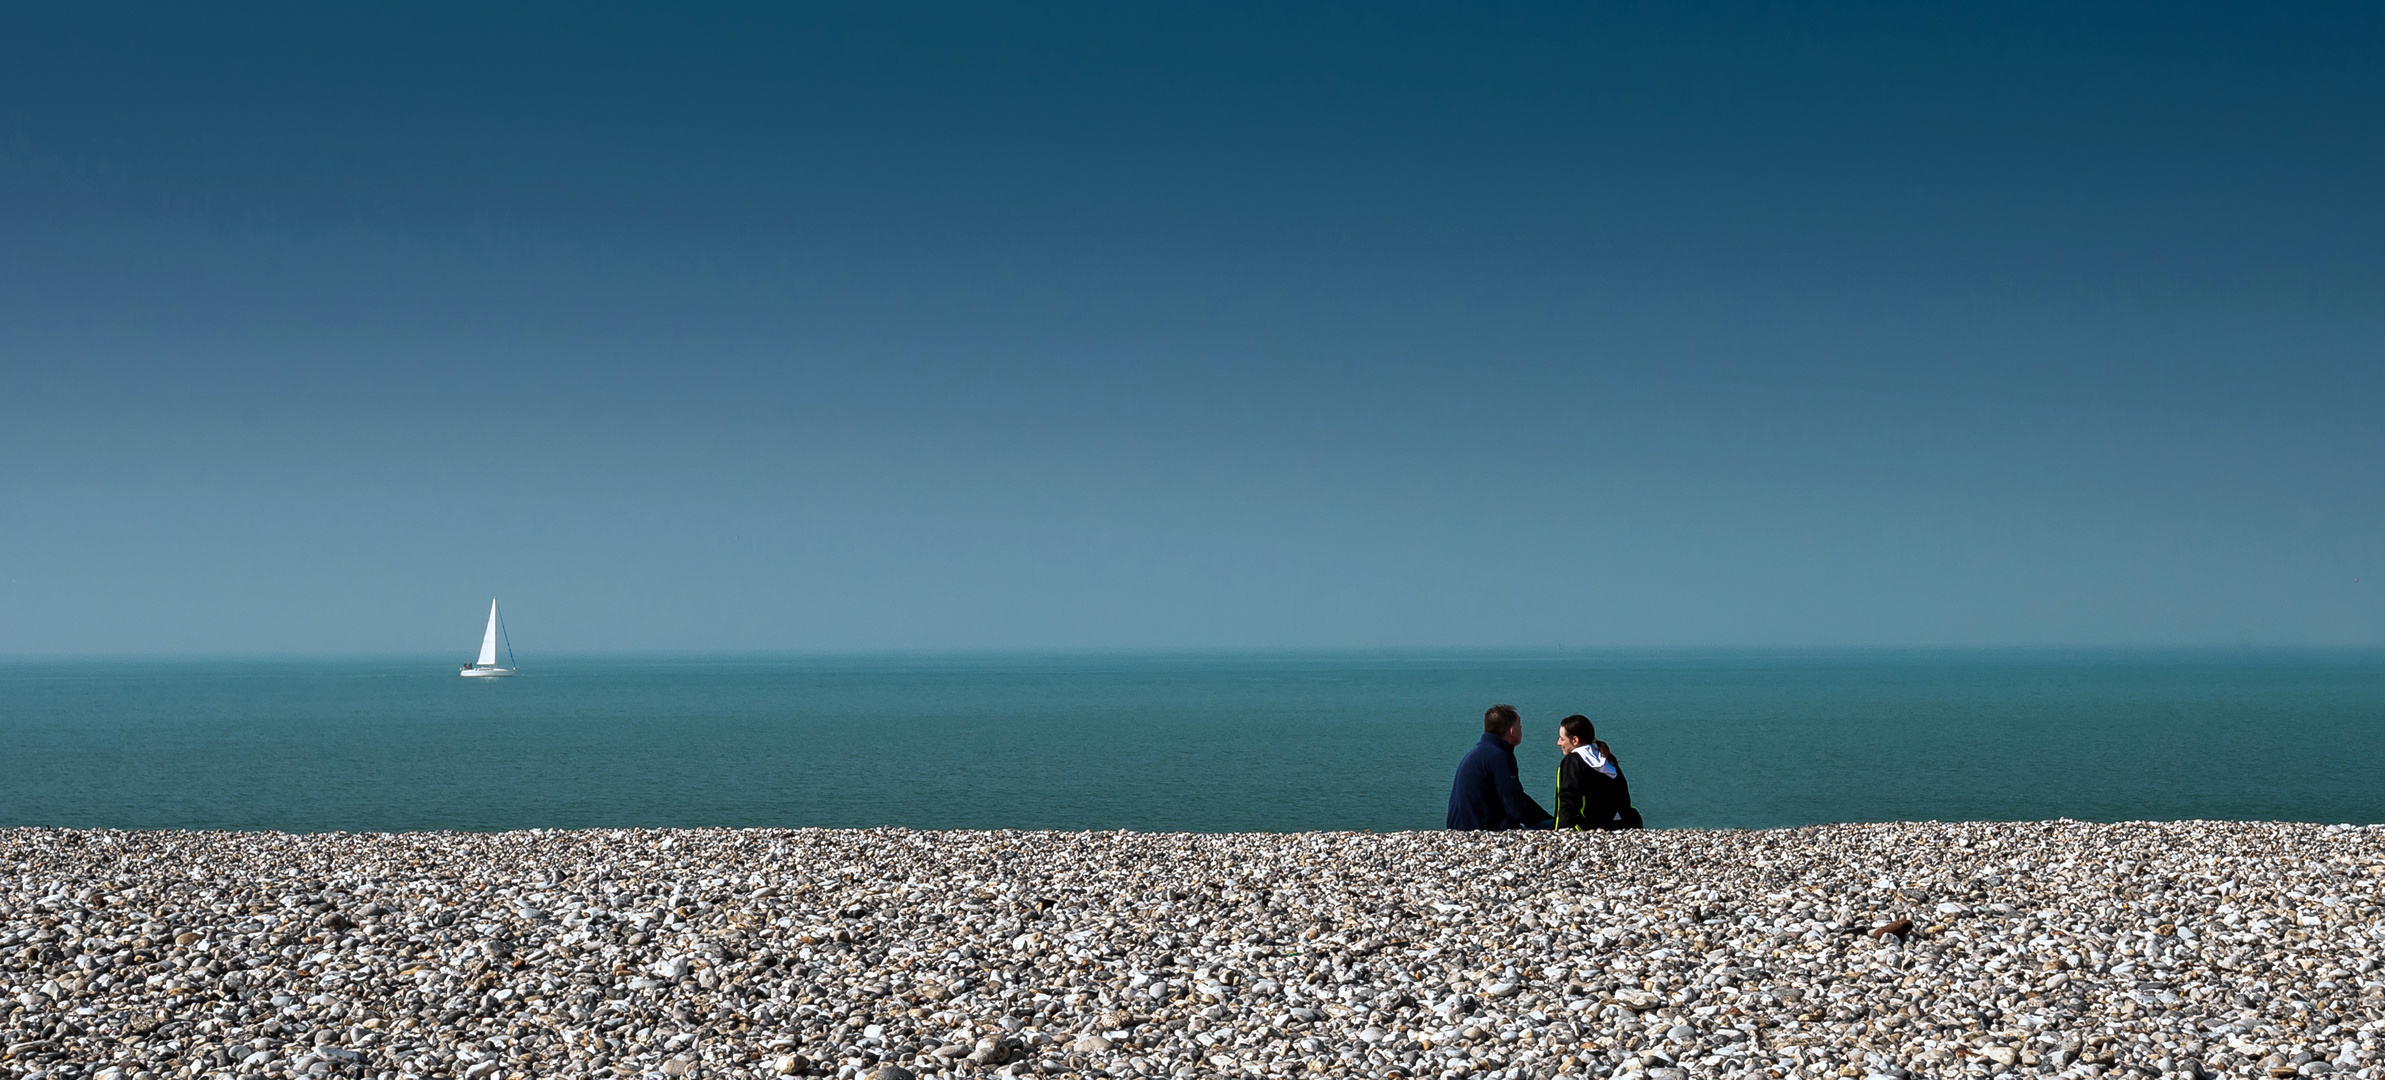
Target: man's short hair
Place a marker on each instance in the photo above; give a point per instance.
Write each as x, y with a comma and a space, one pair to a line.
1498, 718
1577, 727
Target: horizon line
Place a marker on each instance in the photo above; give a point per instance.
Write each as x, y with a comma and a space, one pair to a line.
1253, 651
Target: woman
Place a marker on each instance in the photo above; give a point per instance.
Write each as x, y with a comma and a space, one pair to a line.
1591, 790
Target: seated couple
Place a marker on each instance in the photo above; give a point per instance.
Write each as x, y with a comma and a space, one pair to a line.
1591, 791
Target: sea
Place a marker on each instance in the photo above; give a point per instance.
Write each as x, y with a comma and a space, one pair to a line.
1200, 742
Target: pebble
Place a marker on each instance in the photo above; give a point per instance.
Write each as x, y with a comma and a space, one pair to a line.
2177, 951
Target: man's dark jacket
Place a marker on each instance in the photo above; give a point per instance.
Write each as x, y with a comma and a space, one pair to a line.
1487, 794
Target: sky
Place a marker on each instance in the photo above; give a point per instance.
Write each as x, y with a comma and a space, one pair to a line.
886, 326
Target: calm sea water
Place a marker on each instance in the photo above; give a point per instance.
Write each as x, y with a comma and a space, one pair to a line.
1183, 742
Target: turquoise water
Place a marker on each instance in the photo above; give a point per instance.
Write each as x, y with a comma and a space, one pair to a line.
1190, 742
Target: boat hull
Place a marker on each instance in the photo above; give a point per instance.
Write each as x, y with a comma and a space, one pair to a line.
477, 672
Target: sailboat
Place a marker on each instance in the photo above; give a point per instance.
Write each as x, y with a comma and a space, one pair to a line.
486, 666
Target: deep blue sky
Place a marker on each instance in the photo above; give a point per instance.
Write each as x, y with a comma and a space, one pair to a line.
830, 326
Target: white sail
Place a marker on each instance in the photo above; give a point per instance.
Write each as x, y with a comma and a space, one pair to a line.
488, 641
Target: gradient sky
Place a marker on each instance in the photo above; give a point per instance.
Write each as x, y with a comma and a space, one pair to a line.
865, 326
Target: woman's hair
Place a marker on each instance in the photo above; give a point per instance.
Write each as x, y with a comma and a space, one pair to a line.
1577, 727
1498, 718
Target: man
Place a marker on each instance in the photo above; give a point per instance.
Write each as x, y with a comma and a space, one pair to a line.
1487, 794
1591, 790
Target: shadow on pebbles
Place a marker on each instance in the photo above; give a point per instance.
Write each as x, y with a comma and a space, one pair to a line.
2065, 949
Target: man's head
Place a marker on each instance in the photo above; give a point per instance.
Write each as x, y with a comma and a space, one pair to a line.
1501, 720
1574, 732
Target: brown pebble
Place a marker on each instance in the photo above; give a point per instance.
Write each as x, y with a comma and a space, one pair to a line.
1899, 928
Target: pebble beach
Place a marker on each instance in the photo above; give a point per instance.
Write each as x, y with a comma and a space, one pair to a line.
1996, 950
